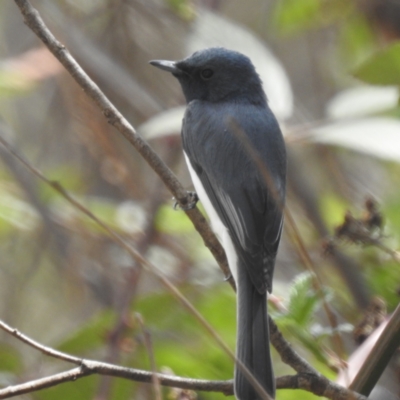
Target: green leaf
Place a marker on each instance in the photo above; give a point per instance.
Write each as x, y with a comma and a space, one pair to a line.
293, 16
16, 213
303, 300
90, 336
384, 281
290, 394
9, 359
184, 8
383, 68
172, 221
357, 40
82, 389
180, 342
14, 83
333, 208
70, 178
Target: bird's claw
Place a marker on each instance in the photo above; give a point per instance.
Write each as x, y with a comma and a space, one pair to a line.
226, 278
191, 201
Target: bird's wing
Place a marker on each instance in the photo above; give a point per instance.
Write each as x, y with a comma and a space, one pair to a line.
235, 186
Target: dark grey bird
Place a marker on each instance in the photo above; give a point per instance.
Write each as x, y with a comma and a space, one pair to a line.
222, 86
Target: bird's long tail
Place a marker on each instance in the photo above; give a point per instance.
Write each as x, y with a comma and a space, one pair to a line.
252, 347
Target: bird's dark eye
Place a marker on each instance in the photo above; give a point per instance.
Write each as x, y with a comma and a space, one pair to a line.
207, 73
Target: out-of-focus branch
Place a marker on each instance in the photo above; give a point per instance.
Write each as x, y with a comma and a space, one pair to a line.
379, 356
116, 119
309, 381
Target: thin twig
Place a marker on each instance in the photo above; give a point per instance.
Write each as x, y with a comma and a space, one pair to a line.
38, 346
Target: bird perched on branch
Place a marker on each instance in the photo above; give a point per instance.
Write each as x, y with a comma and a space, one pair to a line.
236, 157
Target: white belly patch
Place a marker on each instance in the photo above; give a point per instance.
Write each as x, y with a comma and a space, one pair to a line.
217, 225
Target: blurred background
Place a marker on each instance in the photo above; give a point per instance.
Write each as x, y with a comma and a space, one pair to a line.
331, 71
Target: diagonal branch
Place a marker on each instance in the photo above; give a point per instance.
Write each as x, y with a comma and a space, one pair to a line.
116, 119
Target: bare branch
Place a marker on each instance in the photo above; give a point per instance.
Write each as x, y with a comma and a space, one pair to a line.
43, 383
285, 350
116, 119
44, 349
310, 381
318, 385
89, 367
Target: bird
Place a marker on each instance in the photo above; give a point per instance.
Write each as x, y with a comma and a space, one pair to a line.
224, 95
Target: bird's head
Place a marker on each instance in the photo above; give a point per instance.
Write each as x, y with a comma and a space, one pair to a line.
216, 74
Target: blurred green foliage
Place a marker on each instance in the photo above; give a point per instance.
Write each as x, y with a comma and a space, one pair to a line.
383, 68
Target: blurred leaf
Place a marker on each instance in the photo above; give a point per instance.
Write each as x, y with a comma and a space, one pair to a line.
363, 101
356, 40
180, 341
82, 389
9, 359
383, 68
122, 389
320, 331
377, 136
104, 209
91, 336
294, 16
184, 8
70, 178
303, 300
290, 394
332, 208
384, 281
14, 83
163, 124
172, 221
391, 211
297, 321
16, 213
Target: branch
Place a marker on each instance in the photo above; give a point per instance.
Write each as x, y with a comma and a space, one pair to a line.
285, 350
318, 385
312, 382
116, 119
94, 367
379, 356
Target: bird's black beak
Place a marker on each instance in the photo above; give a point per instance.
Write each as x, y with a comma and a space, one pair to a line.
169, 66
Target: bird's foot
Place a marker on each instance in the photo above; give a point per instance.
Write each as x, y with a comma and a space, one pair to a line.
191, 201
226, 278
